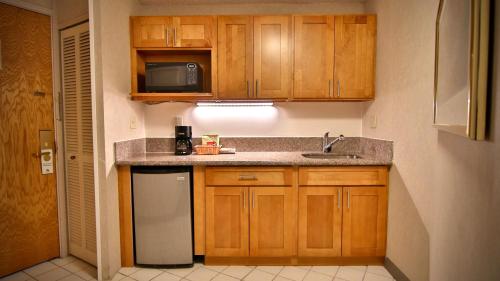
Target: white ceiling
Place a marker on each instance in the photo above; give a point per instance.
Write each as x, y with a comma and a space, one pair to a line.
195, 2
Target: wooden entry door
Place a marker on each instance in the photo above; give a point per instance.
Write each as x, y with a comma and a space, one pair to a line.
28, 199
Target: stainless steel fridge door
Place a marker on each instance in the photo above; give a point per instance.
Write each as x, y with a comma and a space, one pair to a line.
162, 218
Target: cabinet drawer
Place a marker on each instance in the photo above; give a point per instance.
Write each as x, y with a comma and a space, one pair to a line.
324, 176
249, 176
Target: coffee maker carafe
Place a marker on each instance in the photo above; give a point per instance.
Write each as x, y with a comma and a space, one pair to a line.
183, 143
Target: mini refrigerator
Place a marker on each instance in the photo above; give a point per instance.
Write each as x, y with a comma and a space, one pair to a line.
162, 214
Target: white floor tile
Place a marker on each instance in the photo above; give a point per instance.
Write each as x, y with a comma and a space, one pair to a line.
88, 273
237, 271
223, 277
338, 279
63, 261
54, 274
128, 270
201, 274
118, 276
270, 269
165, 276
328, 270
357, 267
71, 277
379, 270
315, 276
375, 277
76, 266
40, 268
18, 276
279, 278
257, 275
181, 272
218, 268
293, 273
350, 273
145, 274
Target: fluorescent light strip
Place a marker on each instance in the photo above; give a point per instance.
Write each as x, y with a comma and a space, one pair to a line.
235, 103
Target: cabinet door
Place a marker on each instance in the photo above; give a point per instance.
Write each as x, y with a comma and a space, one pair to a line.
235, 57
227, 221
272, 221
364, 225
194, 31
354, 56
272, 62
152, 31
313, 57
320, 221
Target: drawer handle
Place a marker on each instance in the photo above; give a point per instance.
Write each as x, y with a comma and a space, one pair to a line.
247, 178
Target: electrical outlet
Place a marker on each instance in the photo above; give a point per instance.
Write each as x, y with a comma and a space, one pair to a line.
133, 122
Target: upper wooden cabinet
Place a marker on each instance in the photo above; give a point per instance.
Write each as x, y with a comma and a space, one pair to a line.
313, 57
235, 62
364, 221
272, 56
254, 57
161, 32
355, 56
151, 31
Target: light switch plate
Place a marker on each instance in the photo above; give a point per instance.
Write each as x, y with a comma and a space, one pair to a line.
373, 121
133, 122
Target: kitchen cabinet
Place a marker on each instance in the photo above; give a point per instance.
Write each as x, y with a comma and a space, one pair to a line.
355, 56
320, 221
313, 57
266, 213
351, 204
364, 221
186, 31
272, 57
227, 221
254, 57
272, 224
235, 62
150, 31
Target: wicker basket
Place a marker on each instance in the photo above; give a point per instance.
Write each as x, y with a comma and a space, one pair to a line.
207, 149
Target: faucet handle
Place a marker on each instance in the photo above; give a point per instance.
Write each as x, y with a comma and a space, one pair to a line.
341, 137
326, 134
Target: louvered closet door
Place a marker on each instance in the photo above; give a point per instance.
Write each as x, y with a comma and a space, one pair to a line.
75, 46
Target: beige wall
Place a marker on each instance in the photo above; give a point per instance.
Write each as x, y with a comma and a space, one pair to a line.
297, 119
114, 109
70, 12
283, 119
444, 206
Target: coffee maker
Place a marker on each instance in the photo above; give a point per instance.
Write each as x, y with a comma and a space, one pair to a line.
183, 143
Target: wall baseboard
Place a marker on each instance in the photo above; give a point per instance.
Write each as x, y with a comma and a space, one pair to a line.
395, 271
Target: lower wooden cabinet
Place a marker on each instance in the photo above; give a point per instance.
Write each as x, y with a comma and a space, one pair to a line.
320, 221
272, 221
364, 226
226, 221
309, 216
250, 221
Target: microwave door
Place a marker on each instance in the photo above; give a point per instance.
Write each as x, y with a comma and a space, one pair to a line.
168, 77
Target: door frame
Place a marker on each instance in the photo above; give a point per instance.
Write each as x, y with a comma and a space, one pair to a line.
58, 129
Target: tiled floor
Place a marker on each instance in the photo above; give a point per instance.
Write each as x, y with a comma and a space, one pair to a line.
62, 269
260, 273
72, 269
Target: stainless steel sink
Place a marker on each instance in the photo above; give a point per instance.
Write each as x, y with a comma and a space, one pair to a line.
320, 155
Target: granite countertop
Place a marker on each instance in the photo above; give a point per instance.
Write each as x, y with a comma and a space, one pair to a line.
244, 159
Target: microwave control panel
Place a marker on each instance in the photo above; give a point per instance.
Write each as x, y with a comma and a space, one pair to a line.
192, 73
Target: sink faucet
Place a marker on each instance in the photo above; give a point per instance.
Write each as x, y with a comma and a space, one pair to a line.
327, 146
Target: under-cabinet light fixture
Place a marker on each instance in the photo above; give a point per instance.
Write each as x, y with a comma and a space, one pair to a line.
260, 103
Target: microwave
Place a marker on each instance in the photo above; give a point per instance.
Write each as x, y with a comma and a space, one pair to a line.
173, 77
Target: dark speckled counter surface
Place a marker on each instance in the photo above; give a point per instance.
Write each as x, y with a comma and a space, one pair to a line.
154, 152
